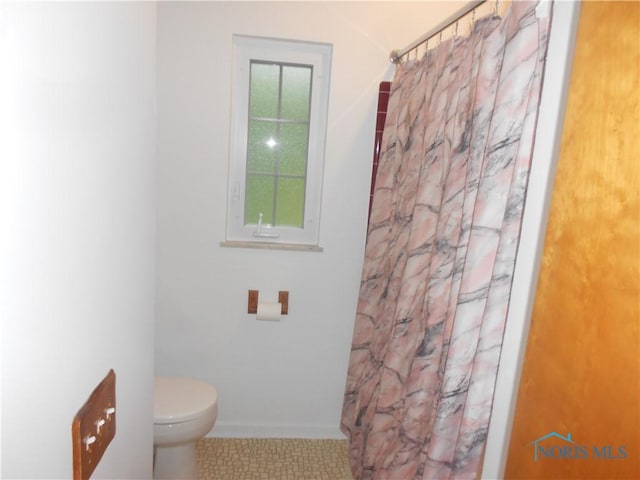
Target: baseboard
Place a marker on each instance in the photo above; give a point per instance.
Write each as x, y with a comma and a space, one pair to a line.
235, 430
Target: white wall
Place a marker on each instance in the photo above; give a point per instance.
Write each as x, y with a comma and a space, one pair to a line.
286, 378
77, 219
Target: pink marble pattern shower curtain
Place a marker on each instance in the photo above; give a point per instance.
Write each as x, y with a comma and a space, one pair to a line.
441, 250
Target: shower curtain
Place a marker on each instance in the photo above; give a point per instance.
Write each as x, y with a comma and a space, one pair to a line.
441, 248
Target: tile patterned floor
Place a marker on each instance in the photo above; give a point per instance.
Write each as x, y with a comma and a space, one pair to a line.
272, 459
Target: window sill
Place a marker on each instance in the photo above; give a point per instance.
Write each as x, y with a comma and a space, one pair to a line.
271, 246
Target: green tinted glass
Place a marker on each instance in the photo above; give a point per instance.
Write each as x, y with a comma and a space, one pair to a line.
290, 202
277, 143
259, 199
296, 91
262, 146
264, 90
293, 150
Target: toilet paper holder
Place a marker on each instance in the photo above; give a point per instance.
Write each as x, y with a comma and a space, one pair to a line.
283, 299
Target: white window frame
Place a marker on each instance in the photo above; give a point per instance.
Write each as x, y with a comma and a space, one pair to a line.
245, 49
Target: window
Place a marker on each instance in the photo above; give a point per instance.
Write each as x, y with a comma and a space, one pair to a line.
279, 117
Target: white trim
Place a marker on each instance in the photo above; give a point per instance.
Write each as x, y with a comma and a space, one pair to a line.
272, 246
275, 430
281, 51
545, 154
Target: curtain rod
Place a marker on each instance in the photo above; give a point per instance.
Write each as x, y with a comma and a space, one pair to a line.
397, 55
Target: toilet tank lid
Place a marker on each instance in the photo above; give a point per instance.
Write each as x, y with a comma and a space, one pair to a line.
178, 399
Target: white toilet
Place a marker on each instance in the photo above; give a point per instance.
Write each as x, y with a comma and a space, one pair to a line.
184, 410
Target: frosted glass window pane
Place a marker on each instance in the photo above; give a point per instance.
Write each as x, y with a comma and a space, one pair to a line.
296, 93
290, 202
294, 146
259, 198
264, 90
262, 147
277, 143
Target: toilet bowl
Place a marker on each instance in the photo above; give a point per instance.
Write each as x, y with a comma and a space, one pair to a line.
184, 410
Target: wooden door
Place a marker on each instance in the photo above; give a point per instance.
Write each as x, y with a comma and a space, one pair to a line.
578, 407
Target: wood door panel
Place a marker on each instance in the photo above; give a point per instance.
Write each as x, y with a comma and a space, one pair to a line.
581, 373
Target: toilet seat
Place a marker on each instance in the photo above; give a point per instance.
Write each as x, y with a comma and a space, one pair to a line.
179, 400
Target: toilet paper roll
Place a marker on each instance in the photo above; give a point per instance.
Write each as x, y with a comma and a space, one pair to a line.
269, 311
